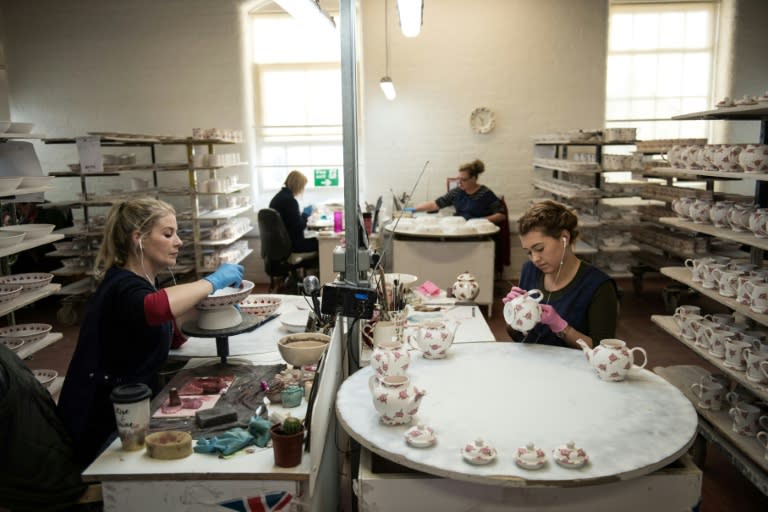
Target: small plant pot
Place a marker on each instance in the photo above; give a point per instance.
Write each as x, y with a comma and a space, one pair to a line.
286, 447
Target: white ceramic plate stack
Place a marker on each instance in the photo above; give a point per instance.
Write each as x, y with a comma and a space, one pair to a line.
28, 333
9, 292
32, 231
217, 311
9, 184
295, 321
10, 238
45, 377
29, 282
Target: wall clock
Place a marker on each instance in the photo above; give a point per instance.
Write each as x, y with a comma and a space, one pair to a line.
482, 120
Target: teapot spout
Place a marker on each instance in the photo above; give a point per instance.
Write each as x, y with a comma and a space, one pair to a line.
418, 394
586, 348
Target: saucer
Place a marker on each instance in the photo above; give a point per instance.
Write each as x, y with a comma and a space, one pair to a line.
530, 457
478, 452
569, 456
420, 436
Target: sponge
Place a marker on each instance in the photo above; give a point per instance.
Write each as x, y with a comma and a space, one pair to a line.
218, 415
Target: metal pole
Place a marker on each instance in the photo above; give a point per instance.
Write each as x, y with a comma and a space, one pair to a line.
349, 139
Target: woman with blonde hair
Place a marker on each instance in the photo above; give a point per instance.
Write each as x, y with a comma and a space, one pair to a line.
129, 323
288, 207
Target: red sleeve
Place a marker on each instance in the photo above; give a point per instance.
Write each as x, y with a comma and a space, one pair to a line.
157, 309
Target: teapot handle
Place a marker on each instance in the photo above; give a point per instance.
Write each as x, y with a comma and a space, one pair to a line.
535, 291
645, 357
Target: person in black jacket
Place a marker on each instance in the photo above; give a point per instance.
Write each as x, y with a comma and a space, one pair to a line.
38, 470
295, 221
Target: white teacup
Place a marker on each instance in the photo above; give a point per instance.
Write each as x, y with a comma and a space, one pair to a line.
727, 281
523, 312
747, 419
754, 360
708, 277
734, 354
758, 296
742, 293
690, 326
710, 394
762, 438
717, 347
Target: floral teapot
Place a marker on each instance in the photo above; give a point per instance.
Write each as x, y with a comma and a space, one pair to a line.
390, 358
433, 337
465, 287
395, 399
611, 359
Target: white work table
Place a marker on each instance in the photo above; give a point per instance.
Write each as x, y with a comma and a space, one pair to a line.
510, 394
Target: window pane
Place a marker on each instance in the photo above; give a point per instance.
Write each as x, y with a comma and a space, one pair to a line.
617, 109
620, 36
670, 32
670, 74
698, 29
618, 81
644, 75
642, 109
696, 68
645, 31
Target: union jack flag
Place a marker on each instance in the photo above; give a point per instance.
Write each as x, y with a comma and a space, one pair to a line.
265, 503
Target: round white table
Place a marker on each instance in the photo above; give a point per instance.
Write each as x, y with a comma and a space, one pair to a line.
510, 394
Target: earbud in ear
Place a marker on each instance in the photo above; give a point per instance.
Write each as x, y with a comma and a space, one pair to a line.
565, 242
141, 246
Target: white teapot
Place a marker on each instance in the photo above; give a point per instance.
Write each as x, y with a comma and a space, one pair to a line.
523, 312
611, 359
466, 287
434, 338
395, 399
390, 358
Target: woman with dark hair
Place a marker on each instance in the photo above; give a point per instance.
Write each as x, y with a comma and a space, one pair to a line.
295, 221
129, 324
470, 199
580, 301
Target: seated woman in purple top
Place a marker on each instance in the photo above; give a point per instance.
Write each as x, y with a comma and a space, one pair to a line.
470, 199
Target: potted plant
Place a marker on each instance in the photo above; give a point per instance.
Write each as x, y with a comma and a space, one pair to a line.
287, 441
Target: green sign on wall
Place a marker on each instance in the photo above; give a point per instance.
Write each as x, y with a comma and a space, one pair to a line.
326, 177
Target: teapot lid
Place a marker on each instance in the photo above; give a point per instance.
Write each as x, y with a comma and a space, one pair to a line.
570, 456
420, 436
478, 452
466, 276
530, 457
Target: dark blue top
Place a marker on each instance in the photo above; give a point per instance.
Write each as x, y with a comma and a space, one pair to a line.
572, 303
295, 221
116, 346
470, 206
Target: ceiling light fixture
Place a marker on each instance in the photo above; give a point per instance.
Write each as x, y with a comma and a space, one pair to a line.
307, 10
411, 16
387, 87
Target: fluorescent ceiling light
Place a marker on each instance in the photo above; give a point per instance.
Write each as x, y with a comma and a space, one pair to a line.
411, 12
388, 88
307, 10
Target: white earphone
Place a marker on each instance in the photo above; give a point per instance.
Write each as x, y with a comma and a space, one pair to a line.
565, 242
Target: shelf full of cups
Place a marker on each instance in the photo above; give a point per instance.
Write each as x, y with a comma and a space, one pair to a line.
731, 415
734, 161
234, 253
226, 233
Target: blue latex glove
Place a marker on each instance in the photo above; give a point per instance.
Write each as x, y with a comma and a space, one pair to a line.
226, 443
259, 429
226, 275
307, 211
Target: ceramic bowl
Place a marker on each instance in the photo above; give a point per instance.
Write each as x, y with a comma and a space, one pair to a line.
303, 349
9, 291
9, 184
45, 377
31, 281
453, 220
33, 231
407, 280
613, 241
17, 127
10, 238
295, 321
35, 181
12, 344
28, 333
260, 305
420, 436
478, 452
228, 296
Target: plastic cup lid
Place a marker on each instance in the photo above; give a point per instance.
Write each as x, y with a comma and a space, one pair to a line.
129, 393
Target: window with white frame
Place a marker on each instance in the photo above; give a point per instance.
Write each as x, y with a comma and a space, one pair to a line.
660, 62
297, 81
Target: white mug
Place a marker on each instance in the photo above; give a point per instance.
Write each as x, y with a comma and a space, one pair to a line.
710, 394
747, 419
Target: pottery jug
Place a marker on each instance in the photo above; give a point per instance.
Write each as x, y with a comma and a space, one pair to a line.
523, 312
390, 358
754, 158
466, 287
395, 399
718, 214
699, 211
757, 222
611, 359
434, 338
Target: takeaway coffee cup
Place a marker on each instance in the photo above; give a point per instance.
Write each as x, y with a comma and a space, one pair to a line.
131, 404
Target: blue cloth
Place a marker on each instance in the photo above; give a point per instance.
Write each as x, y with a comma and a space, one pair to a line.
572, 304
259, 429
288, 208
225, 443
116, 346
480, 204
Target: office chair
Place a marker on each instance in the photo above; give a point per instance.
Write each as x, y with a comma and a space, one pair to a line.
281, 265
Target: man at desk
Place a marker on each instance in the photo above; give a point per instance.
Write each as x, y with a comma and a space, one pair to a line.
286, 205
470, 199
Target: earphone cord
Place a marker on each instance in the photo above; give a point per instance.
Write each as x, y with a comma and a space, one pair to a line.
557, 276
